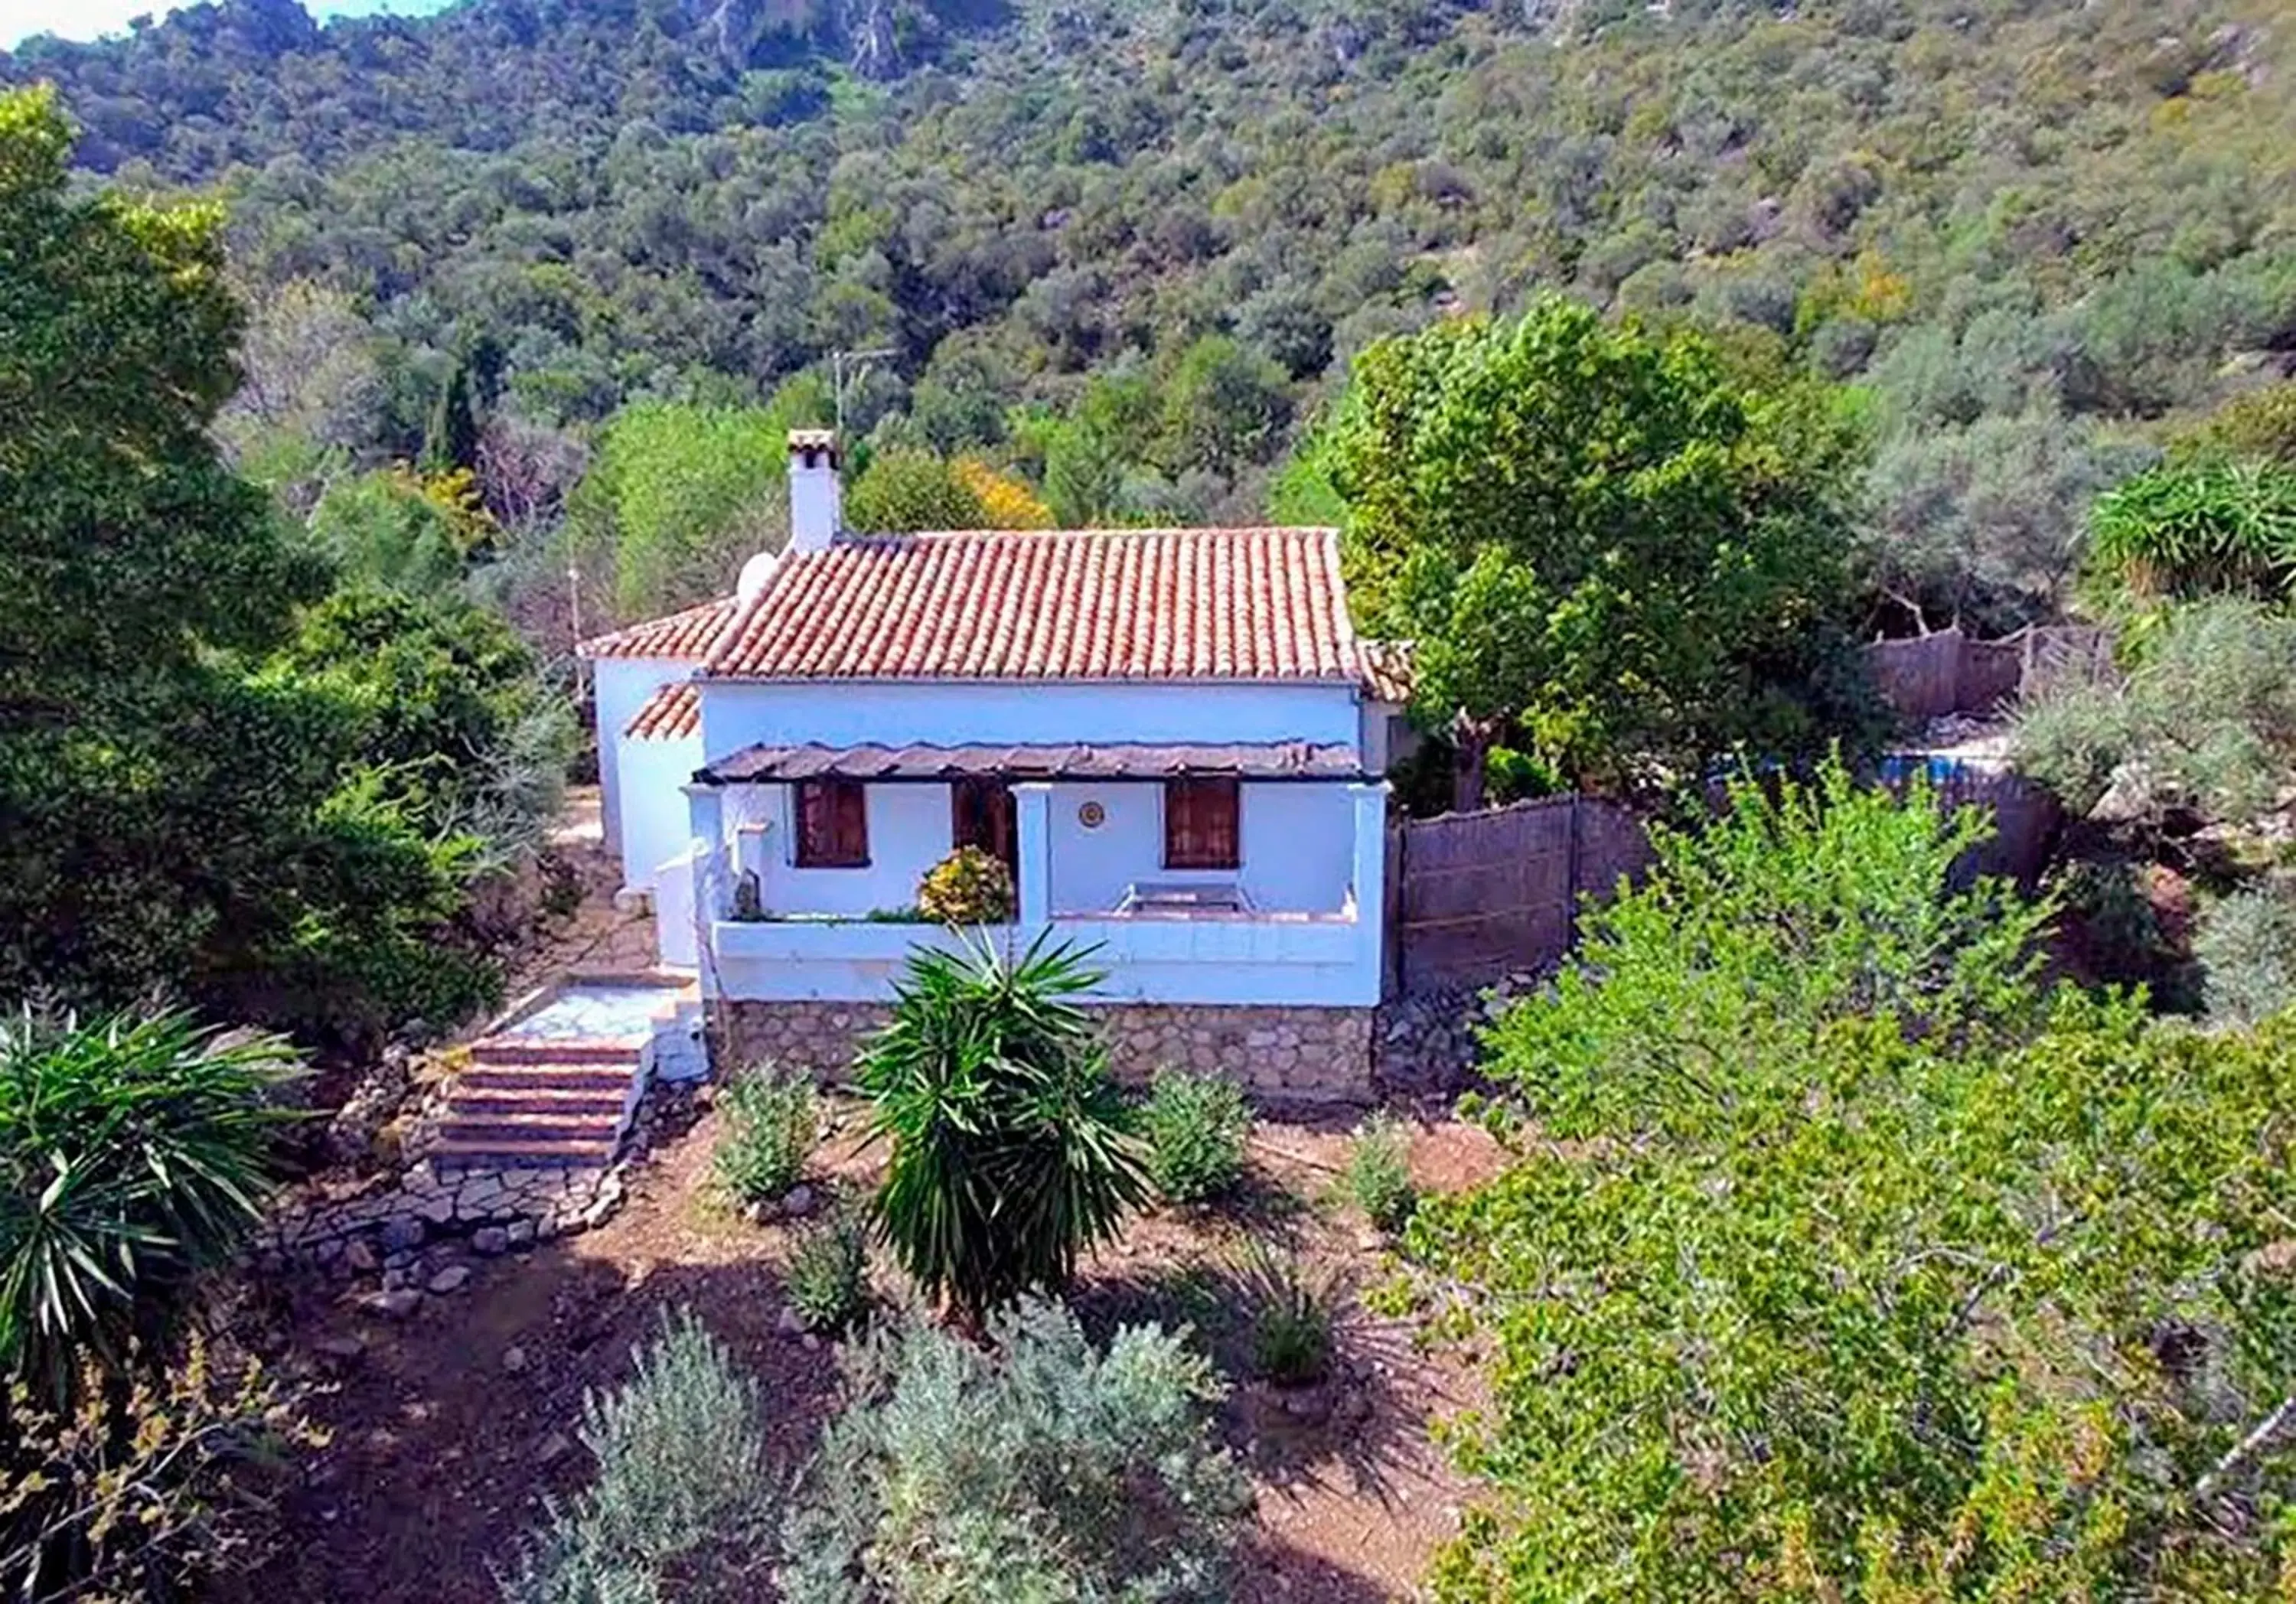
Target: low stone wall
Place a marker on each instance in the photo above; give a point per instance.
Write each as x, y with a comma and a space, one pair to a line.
1279, 1055
821, 1038
1291, 1055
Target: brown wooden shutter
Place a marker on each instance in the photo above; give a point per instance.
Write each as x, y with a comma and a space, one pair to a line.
1200, 825
833, 825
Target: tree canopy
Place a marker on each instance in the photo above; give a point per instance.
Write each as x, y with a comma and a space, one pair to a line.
219, 781
2035, 238
1600, 539
1836, 1260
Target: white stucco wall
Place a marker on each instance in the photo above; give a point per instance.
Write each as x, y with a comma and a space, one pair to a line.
653, 825
908, 834
619, 687
1311, 959
1387, 737
735, 716
1296, 842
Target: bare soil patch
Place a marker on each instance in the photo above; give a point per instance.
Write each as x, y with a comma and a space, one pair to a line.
448, 1429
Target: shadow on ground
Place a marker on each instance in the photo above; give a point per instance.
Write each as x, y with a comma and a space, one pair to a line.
448, 1429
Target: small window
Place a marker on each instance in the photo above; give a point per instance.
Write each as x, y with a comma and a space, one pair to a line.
833, 825
1200, 825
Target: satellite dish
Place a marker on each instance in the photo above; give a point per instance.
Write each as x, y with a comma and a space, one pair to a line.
755, 573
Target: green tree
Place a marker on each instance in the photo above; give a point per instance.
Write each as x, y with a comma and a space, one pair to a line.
679, 495
905, 489
1481, 638
1675, 542
1226, 404
205, 793
1836, 1263
394, 531
130, 548
450, 437
1090, 451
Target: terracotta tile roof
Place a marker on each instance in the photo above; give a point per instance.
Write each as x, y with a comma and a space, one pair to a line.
1245, 760
681, 635
1174, 604
670, 714
1389, 669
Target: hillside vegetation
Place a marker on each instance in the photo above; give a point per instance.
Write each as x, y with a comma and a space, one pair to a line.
1127, 250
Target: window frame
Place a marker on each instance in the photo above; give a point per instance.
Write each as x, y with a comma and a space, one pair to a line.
1181, 800
836, 851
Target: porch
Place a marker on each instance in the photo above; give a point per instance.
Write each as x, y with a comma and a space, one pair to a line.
1237, 876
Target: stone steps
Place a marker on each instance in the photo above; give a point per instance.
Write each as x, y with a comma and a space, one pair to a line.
517, 1049
526, 1102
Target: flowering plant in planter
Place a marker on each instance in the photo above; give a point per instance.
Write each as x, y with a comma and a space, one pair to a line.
969, 887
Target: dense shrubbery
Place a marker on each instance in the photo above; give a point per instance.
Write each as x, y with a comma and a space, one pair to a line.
1036, 1468
2203, 726
1008, 1155
1843, 1262
1195, 1126
220, 783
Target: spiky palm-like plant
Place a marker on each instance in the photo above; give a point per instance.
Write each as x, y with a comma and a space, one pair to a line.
1009, 1154
134, 1152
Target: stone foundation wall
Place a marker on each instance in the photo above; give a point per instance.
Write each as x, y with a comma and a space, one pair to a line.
818, 1037
1279, 1055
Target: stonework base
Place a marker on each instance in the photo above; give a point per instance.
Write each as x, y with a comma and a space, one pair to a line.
1278, 1054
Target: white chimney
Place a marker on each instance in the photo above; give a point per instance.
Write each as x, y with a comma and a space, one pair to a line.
816, 501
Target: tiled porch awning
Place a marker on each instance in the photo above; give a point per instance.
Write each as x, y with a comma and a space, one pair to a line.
1268, 760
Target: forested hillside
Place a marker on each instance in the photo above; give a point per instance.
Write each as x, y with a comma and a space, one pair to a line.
1125, 251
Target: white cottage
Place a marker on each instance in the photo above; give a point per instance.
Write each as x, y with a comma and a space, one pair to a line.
1171, 737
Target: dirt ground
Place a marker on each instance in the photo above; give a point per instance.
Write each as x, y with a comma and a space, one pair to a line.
448, 1429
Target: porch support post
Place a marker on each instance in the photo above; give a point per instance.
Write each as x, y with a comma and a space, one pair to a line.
1370, 803
1032, 808
705, 814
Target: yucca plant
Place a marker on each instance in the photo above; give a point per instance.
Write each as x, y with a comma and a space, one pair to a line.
134, 1151
1008, 1151
1292, 1305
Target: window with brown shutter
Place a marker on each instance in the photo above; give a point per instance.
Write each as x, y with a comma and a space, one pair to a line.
833, 825
1200, 825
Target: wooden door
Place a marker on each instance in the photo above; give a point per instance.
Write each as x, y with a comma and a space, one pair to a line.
981, 814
